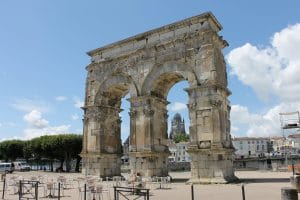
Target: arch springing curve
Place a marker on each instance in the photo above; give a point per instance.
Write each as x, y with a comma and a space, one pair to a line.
163, 77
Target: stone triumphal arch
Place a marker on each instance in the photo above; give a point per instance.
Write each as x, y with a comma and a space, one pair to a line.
146, 66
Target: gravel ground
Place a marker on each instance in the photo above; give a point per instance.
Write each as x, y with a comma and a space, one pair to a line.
258, 185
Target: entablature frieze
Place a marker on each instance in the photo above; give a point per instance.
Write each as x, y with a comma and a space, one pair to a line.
207, 87
205, 21
100, 112
186, 45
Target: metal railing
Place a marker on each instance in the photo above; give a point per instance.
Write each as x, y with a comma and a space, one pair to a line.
133, 192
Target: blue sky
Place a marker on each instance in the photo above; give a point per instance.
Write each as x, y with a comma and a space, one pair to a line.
43, 47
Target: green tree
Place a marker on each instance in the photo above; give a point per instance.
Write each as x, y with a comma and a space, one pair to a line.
10, 150
181, 138
63, 147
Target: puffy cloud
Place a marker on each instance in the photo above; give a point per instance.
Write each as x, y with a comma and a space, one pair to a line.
61, 98
35, 120
267, 124
75, 117
50, 130
11, 138
27, 105
271, 70
287, 43
177, 106
37, 126
77, 102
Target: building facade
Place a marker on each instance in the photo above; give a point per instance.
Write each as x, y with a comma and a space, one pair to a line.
247, 147
178, 152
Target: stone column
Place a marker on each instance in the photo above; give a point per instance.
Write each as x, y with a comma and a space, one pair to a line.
102, 143
210, 147
148, 152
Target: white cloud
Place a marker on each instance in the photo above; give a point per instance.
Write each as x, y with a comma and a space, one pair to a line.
272, 70
0, 124
35, 120
75, 117
177, 106
12, 138
27, 105
51, 130
61, 98
77, 102
267, 124
37, 126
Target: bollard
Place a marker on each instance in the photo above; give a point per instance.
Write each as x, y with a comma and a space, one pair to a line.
243, 192
84, 195
58, 191
293, 168
20, 190
4, 182
288, 193
36, 190
192, 191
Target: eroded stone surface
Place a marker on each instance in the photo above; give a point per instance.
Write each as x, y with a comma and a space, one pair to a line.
146, 66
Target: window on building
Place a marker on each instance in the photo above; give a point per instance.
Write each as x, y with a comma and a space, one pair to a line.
257, 147
263, 147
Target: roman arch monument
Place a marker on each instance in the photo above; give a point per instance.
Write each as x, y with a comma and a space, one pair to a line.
146, 66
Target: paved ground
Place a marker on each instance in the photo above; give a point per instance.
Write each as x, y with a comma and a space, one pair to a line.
258, 185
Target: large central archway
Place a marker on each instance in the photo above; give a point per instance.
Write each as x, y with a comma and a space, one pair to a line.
146, 66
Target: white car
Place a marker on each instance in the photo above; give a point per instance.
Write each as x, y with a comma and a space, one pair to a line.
6, 167
22, 166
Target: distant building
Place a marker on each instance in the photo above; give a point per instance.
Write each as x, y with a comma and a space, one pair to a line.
247, 147
295, 140
177, 126
178, 152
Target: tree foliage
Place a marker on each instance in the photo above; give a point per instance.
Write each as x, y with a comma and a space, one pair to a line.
11, 149
181, 138
63, 147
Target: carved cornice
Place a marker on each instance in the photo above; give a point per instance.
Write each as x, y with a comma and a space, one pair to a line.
206, 21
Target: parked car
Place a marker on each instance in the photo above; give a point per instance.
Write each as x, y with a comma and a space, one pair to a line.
6, 167
21, 166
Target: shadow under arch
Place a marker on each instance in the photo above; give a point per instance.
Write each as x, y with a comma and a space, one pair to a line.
162, 77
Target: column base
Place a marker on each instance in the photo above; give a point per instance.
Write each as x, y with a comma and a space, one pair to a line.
214, 180
212, 166
99, 164
149, 164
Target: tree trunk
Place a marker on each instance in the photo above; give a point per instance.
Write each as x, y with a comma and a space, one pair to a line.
68, 162
51, 165
78, 159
